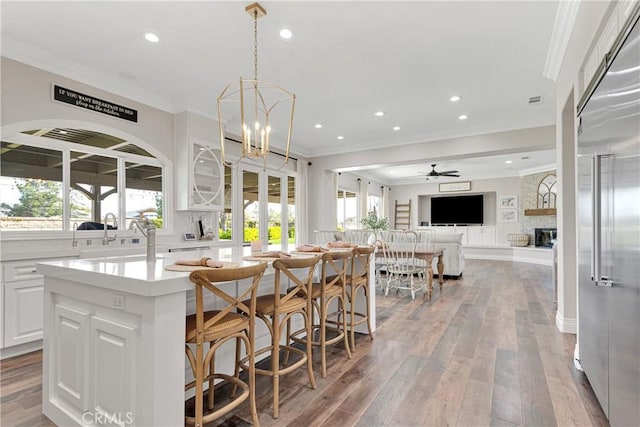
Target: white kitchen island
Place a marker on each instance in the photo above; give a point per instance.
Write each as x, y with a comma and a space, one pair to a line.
114, 331
114, 339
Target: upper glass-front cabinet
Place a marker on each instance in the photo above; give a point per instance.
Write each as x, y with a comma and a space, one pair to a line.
206, 179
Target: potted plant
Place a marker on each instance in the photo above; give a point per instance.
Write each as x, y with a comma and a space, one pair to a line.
374, 223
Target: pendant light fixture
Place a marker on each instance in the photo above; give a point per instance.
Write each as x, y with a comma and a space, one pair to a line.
259, 113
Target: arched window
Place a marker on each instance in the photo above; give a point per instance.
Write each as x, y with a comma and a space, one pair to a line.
547, 192
63, 178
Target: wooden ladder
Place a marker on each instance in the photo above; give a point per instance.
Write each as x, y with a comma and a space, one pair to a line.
403, 215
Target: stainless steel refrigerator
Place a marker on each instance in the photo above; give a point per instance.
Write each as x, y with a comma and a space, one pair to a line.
609, 236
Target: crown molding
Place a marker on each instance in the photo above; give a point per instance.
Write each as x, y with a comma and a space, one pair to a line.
538, 169
562, 28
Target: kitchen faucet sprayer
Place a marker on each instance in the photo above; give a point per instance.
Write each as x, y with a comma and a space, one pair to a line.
106, 239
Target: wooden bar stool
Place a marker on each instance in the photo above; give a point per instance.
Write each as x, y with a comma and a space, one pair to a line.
330, 288
276, 311
217, 327
359, 278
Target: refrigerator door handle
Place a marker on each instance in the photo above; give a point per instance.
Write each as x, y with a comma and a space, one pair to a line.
596, 214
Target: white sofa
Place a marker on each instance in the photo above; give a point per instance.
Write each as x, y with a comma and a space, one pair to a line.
453, 257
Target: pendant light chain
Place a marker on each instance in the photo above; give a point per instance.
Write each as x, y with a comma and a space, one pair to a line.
255, 45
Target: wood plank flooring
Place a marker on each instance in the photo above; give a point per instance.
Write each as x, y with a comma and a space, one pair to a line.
485, 352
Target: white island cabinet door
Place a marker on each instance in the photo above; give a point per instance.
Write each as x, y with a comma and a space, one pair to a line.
112, 367
70, 331
23, 312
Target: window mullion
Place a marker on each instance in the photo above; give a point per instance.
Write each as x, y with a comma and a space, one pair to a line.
122, 186
66, 189
263, 208
284, 212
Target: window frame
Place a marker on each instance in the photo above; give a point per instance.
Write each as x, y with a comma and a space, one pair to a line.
357, 199
237, 174
66, 147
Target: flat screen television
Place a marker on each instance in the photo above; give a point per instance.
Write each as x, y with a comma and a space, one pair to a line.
459, 210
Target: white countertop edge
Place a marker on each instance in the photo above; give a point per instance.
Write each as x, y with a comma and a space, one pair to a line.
170, 282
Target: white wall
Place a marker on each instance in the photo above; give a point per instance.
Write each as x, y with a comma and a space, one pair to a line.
322, 203
492, 189
27, 97
569, 88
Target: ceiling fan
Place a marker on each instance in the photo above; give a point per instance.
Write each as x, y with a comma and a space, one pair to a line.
434, 174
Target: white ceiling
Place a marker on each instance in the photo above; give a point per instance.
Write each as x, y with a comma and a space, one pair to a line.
469, 168
347, 60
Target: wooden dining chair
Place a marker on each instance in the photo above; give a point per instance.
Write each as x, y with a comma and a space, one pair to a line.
399, 247
291, 296
425, 239
360, 237
330, 289
325, 236
217, 327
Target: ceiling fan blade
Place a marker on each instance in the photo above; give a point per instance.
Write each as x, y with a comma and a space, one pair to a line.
447, 172
450, 174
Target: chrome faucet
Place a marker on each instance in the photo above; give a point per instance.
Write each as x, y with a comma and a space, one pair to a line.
74, 242
106, 239
149, 231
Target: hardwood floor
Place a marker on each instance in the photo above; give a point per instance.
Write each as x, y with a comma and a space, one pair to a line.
484, 353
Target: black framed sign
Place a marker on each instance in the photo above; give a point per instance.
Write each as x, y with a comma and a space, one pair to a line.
88, 102
446, 187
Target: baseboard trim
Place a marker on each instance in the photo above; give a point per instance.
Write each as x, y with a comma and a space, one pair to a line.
492, 257
533, 261
566, 325
20, 349
528, 255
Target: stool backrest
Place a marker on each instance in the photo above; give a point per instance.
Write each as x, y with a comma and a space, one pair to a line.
334, 267
209, 278
360, 263
299, 271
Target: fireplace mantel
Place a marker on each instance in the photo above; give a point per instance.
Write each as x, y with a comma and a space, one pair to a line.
539, 212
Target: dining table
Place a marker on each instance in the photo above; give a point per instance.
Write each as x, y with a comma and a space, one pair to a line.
428, 254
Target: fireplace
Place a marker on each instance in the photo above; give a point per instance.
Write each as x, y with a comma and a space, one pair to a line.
546, 236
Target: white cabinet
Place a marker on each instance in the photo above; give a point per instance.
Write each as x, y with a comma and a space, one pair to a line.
481, 235
471, 235
22, 302
22, 312
199, 177
92, 349
606, 38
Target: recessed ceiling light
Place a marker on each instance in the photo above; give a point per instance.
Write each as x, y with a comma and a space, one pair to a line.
455, 98
340, 137
509, 162
286, 33
318, 126
151, 37
379, 113
462, 117
391, 173
62, 132
396, 128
